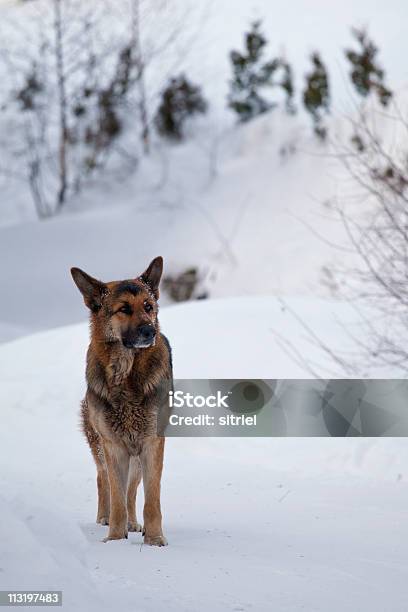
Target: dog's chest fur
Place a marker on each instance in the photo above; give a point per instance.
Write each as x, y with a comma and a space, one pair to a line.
125, 393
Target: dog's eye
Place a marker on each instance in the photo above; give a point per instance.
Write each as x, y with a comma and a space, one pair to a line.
148, 307
126, 309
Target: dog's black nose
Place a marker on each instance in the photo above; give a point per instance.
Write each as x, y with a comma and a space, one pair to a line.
146, 332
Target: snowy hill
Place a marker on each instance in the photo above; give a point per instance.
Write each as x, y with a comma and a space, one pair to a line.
253, 524
261, 225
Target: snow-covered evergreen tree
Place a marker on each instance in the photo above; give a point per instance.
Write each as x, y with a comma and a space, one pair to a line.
180, 99
366, 74
252, 76
316, 95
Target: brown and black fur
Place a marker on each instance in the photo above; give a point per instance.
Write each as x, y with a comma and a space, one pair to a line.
129, 374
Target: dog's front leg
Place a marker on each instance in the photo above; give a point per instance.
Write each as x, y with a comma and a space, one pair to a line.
117, 462
135, 476
152, 465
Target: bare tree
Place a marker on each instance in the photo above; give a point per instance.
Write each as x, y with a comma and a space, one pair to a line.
378, 234
373, 210
84, 94
69, 95
140, 60
62, 103
374, 276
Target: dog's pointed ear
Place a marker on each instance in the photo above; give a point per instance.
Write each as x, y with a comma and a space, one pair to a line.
153, 274
92, 290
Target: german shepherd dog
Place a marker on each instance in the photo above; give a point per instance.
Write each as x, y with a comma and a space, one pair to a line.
128, 373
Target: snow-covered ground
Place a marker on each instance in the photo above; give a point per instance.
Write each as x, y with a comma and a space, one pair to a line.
253, 524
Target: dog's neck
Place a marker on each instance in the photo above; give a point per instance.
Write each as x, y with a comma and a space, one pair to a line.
119, 365
116, 374
118, 362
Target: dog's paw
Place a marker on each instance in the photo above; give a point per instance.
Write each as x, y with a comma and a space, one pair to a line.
155, 540
115, 536
134, 526
103, 520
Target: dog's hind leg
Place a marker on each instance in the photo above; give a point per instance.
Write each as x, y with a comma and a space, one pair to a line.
135, 476
102, 481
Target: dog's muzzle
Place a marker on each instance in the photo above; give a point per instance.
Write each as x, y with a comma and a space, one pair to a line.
143, 337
